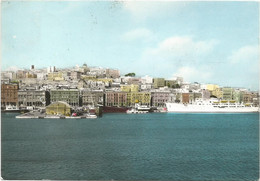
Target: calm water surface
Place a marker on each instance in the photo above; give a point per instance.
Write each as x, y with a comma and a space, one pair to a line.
132, 147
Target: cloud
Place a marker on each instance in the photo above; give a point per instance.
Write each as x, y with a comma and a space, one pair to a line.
183, 48
141, 10
245, 54
179, 51
138, 34
176, 54
193, 74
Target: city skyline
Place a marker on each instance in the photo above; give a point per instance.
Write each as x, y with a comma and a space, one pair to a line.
200, 41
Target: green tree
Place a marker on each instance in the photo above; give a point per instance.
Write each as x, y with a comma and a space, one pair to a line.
130, 74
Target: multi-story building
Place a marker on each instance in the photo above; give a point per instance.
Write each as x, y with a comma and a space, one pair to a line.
75, 75
170, 83
247, 97
92, 97
205, 94
146, 86
227, 93
218, 93
237, 96
212, 89
116, 99
185, 98
143, 98
9, 94
147, 80
37, 98
55, 76
112, 73
158, 82
159, 98
193, 96
20, 74
129, 88
51, 69
30, 75
71, 96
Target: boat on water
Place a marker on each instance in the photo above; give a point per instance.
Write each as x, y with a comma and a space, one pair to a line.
11, 108
138, 109
211, 106
111, 109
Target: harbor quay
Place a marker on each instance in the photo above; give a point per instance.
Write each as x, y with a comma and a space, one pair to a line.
81, 90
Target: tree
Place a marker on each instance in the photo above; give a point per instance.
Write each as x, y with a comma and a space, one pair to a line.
130, 74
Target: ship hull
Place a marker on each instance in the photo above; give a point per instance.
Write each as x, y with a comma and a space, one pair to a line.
107, 109
189, 108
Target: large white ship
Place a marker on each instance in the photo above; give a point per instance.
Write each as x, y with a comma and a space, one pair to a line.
212, 105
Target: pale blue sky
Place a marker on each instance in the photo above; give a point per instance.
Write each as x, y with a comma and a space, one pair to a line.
207, 42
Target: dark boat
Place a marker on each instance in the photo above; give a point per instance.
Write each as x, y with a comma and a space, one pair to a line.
112, 109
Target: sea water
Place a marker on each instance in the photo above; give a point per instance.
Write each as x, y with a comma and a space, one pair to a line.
155, 146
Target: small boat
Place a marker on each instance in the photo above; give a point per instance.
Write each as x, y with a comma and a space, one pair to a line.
10, 108
135, 111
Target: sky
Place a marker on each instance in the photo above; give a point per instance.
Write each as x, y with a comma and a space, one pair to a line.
205, 42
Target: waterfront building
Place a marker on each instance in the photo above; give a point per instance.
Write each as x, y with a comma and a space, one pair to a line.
237, 96
218, 93
55, 76
92, 97
212, 88
159, 98
59, 108
255, 99
129, 88
247, 97
71, 96
9, 94
158, 82
144, 98
118, 99
193, 96
37, 98
185, 98
205, 94
227, 93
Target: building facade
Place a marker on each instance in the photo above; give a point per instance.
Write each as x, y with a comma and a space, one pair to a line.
158, 82
143, 98
59, 108
159, 99
37, 98
70, 96
92, 97
227, 93
118, 99
9, 94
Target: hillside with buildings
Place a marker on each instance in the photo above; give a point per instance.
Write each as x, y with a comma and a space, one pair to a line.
84, 86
